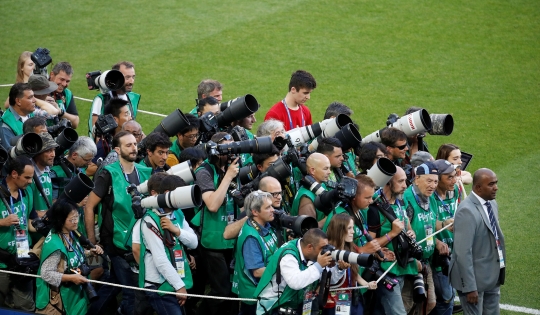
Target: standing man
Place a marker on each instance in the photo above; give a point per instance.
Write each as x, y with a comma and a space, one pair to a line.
157, 150
61, 75
14, 238
292, 110
477, 268
119, 109
255, 245
116, 215
22, 104
446, 197
125, 92
208, 88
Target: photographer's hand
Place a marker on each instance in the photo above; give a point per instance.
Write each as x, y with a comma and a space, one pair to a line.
442, 248
75, 278
343, 265
233, 169
324, 260
411, 234
181, 298
166, 224
370, 247
397, 227
10, 220
97, 250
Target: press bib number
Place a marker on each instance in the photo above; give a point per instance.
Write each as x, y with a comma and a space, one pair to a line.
429, 231
308, 300
179, 260
21, 241
343, 304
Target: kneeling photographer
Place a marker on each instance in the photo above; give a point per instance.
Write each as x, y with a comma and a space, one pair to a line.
388, 221
63, 287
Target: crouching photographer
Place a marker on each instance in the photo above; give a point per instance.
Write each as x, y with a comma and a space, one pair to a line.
63, 287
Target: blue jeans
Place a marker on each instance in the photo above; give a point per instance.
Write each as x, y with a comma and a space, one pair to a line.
166, 304
444, 293
390, 302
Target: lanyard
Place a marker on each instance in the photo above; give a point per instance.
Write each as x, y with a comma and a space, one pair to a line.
446, 207
418, 200
401, 211
79, 255
258, 229
289, 114
23, 207
125, 175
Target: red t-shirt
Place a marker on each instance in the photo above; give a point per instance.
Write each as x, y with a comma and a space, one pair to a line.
278, 112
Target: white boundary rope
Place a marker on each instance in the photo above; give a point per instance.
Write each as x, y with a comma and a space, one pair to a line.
89, 100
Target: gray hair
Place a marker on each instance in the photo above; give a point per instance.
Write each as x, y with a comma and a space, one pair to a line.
62, 66
208, 86
254, 201
83, 146
267, 127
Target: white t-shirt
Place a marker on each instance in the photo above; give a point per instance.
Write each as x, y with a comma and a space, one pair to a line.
98, 103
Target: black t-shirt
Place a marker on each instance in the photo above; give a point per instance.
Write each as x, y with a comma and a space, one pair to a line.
104, 180
205, 180
71, 108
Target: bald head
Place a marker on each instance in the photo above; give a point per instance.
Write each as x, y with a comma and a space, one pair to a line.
134, 128
271, 185
485, 183
318, 166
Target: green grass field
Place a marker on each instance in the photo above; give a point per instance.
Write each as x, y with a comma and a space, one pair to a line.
478, 60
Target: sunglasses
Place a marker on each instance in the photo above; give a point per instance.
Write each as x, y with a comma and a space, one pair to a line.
401, 147
227, 137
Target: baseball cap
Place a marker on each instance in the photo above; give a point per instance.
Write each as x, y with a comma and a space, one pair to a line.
444, 166
427, 168
48, 142
420, 157
40, 85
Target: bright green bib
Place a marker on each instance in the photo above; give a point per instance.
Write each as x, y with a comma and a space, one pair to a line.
134, 98
7, 233
422, 221
15, 125
304, 192
39, 202
73, 296
446, 209
243, 284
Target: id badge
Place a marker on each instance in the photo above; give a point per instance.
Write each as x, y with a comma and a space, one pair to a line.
343, 304
308, 300
501, 259
179, 260
21, 241
230, 211
429, 231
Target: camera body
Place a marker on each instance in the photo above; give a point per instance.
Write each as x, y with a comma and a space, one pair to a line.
42, 59
105, 124
375, 272
55, 130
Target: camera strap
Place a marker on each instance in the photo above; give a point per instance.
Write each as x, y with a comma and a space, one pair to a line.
156, 231
77, 250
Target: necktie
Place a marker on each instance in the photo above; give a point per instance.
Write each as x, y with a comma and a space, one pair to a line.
491, 217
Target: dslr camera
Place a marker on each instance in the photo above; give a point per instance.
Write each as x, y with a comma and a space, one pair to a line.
42, 59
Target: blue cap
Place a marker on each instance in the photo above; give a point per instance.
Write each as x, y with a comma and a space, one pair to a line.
427, 168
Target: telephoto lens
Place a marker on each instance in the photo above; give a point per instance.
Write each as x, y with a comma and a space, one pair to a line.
363, 260
419, 290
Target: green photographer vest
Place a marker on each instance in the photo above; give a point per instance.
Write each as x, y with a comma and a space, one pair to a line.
39, 202
22, 209
243, 284
14, 124
351, 162
304, 192
73, 296
289, 297
247, 158
446, 209
175, 149
121, 211
68, 97
213, 223
422, 221
165, 286
134, 99
358, 238
386, 227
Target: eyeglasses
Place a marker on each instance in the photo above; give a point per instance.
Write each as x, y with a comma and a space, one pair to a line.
192, 137
87, 160
401, 147
74, 219
275, 194
136, 134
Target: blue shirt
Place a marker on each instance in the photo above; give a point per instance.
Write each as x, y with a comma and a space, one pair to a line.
252, 251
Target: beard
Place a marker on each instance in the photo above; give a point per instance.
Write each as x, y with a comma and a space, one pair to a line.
128, 156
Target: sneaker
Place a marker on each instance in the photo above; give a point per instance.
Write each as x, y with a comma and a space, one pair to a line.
457, 309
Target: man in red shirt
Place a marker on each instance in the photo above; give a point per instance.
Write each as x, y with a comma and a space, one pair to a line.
292, 110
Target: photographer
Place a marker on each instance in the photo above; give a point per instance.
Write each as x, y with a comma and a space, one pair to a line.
186, 138
116, 213
423, 215
61, 75
208, 88
446, 198
331, 148
384, 231
369, 154
22, 104
14, 239
125, 93
43, 161
62, 260
255, 245
163, 267
271, 127
292, 274
318, 166
157, 150
357, 209
395, 141
119, 109
208, 104
42, 87
35, 124
214, 177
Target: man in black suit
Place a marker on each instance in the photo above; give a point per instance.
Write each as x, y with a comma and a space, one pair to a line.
478, 262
